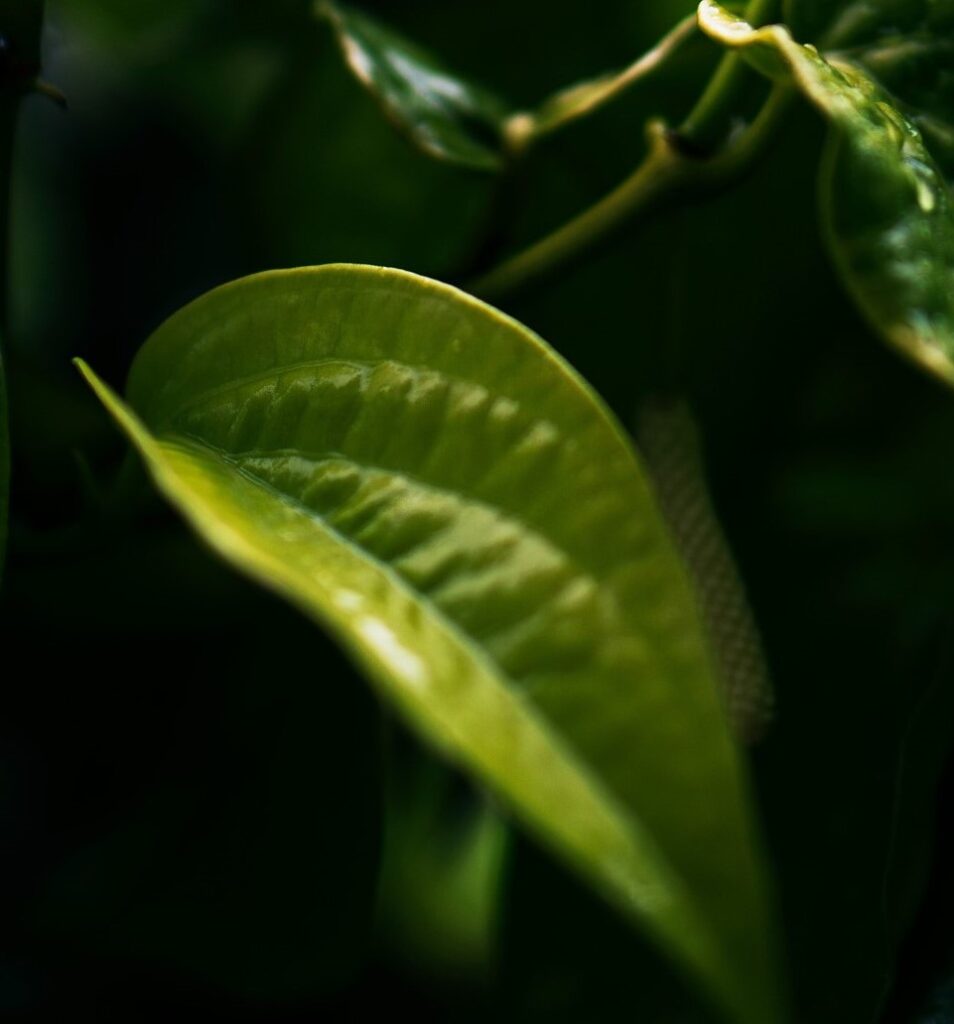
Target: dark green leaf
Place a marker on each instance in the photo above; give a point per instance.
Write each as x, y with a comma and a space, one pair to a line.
428, 480
448, 117
888, 212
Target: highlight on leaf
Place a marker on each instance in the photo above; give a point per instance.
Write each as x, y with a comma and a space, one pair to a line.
429, 481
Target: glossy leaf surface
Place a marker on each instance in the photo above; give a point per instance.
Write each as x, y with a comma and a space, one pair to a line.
888, 212
448, 117
428, 480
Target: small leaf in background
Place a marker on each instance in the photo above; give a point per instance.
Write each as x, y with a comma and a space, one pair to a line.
888, 213
446, 116
428, 480
455, 120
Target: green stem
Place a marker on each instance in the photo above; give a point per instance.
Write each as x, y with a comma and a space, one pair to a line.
709, 121
665, 174
667, 171
656, 176
526, 128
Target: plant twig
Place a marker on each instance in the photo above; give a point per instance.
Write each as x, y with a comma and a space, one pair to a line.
711, 117
677, 163
526, 127
666, 172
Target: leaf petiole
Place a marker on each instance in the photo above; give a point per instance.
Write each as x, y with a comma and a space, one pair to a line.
667, 171
523, 128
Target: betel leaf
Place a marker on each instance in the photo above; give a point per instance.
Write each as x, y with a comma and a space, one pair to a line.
446, 116
887, 210
428, 480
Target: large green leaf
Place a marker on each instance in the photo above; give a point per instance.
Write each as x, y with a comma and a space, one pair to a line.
448, 117
888, 212
429, 481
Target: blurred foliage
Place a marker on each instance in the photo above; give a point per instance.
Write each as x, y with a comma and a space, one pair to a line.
147, 750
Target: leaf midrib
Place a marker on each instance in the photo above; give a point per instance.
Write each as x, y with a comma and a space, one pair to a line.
272, 375
580, 571
614, 804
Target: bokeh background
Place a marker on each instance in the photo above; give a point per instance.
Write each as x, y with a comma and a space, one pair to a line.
204, 809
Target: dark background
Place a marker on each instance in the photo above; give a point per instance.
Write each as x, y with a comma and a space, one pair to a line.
193, 781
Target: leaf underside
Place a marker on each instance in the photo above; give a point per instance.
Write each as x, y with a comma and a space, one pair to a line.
430, 482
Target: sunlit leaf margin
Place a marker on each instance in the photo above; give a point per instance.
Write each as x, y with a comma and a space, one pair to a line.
430, 482
887, 211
